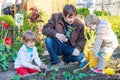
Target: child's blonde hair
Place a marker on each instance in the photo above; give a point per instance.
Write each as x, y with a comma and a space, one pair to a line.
29, 36
91, 19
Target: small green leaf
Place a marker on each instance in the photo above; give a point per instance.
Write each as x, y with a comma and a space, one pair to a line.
92, 75
8, 48
16, 77
42, 74
63, 67
76, 71
66, 74
2, 46
81, 75
3, 67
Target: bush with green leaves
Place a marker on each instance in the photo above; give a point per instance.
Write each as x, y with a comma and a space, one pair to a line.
101, 13
3, 61
8, 18
83, 11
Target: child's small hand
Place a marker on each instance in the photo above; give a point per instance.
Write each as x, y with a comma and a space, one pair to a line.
36, 68
43, 66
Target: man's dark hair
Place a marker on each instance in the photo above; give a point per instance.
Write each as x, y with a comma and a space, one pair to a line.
69, 10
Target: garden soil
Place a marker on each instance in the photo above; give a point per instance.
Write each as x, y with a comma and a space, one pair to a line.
68, 71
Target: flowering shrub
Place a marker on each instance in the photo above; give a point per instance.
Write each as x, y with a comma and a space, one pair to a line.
5, 43
4, 32
35, 18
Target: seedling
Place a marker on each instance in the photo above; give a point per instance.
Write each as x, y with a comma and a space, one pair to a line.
76, 71
81, 75
42, 74
16, 77
67, 75
54, 75
56, 68
63, 67
92, 75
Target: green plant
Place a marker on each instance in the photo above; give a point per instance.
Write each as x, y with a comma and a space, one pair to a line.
16, 77
5, 43
67, 75
7, 51
13, 55
77, 78
51, 78
15, 45
64, 67
101, 13
43, 60
70, 28
42, 74
92, 75
35, 18
40, 48
83, 11
76, 71
26, 25
9, 19
54, 75
56, 68
3, 61
32, 79
9, 23
81, 75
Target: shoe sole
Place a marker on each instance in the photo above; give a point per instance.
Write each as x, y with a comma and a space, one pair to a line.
96, 71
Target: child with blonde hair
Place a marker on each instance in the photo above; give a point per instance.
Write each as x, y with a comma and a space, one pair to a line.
106, 41
26, 54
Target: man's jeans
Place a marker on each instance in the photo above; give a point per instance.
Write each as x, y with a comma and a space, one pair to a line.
55, 48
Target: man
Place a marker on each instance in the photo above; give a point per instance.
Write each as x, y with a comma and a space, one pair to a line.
65, 36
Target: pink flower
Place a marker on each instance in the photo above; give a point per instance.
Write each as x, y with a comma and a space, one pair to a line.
4, 24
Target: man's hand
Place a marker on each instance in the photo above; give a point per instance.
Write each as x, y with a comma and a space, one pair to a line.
76, 52
36, 68
61, 37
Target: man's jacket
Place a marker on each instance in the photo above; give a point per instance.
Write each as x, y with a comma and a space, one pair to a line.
56, 25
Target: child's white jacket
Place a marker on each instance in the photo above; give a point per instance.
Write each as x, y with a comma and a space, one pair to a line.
106, 40
23, 59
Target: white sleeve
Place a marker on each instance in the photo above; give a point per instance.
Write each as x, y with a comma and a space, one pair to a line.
23, 60
98, 44
37, 59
